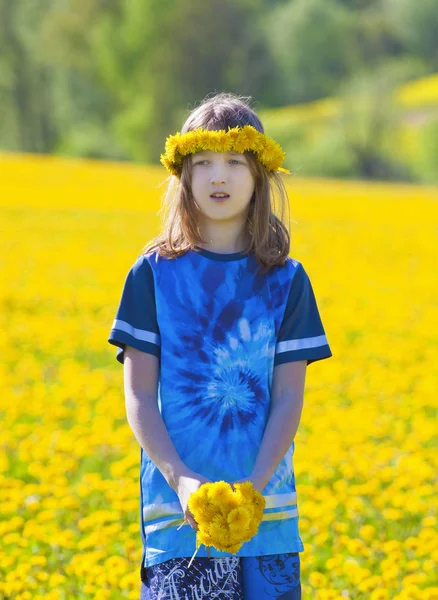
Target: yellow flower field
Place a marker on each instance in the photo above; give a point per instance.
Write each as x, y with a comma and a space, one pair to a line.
366, 457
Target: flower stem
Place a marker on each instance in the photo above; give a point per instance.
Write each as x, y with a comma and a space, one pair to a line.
195, 553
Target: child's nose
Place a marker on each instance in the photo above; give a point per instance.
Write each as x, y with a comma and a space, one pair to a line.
218, 176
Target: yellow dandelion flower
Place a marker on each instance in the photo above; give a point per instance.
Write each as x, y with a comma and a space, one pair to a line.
204, 536
245, 139
195, 503
239, 516
229, 503
187, 146
233, 133
268, 154
271, 156
219, 521
171, 154
234, 535
214, 530
216, 141
169, 165
219, 530
220, 492
203, 490
245, 489
235, 530
202, 138
173, 141
171, 146
259, 507
206, 513
257, 140
232, 549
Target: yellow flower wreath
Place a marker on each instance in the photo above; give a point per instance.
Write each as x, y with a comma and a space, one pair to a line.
240, 139
226, 517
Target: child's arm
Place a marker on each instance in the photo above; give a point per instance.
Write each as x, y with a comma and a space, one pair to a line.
146, 422
284, 417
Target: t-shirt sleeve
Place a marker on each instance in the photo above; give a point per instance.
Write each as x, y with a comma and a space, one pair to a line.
135, 323
301, 335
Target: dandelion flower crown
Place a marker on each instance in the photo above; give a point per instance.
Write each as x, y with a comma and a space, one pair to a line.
240, 139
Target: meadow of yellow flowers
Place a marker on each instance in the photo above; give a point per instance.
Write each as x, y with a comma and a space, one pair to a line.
365, 457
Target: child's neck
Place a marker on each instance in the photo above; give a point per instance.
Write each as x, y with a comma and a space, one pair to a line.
221, 249
223, 244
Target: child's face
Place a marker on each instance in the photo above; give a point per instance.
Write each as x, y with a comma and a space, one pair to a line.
227, 172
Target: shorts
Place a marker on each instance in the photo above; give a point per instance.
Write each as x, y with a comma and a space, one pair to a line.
274, 576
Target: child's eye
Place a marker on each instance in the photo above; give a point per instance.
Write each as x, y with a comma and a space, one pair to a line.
232, 160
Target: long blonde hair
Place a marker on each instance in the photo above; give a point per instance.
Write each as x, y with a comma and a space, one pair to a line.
267, 235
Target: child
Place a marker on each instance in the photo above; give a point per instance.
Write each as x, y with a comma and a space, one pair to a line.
215, 328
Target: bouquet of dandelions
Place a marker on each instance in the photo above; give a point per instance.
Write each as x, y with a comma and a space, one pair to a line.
227, 516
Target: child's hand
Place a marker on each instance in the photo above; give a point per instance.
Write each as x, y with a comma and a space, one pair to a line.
186, 485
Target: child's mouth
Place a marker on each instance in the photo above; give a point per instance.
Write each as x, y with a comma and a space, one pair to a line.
219, 198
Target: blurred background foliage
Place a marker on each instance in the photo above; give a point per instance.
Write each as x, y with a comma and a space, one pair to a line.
348, 87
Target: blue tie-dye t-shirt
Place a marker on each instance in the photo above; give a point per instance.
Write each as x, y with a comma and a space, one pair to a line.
218, 328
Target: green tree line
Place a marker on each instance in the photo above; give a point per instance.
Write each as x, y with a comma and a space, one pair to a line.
111, 79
